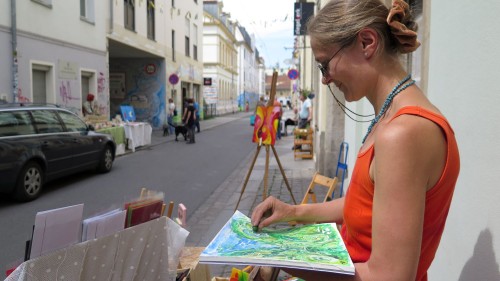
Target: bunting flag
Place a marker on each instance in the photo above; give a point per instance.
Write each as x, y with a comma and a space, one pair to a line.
266, 23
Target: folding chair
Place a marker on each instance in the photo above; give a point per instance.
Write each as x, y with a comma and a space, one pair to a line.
318, 180
321, 181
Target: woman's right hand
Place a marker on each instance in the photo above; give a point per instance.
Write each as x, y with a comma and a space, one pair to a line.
271, 211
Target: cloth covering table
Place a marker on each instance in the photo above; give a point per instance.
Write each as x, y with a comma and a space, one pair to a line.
138, 134
148, 251
118, 134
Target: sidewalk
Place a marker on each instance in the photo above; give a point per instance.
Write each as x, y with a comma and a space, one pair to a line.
205, 222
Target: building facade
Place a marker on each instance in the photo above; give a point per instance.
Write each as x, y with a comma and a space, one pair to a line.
220, 62
234, 71
284, 90
248, 69
155, 54
47, 64
128, 52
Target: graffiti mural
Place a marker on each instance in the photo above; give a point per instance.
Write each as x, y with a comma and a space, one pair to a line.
102, 99
145, 84
65, 93
20, 97
66, 98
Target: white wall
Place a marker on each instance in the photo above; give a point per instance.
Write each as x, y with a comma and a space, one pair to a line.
62, 22
463, 82
6, 65
5, 13
210, 44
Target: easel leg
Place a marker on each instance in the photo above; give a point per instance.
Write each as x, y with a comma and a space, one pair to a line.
266, 174
248, 176
283, 174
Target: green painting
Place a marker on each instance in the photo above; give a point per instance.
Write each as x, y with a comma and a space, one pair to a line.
314, 246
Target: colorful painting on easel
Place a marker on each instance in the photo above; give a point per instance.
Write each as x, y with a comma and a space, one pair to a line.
266, 124
313, 246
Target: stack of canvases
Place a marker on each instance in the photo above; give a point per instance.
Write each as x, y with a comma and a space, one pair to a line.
135, 243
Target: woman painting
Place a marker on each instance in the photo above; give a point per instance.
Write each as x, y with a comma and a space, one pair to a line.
401, 188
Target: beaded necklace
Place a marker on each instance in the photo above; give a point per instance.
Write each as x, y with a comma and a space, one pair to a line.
396, 90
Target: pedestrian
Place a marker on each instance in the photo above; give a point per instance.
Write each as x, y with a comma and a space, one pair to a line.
197, 113
185, 105
305, 113
171, 112
89, 105
261, 102
395, 209
189, 120
277, 103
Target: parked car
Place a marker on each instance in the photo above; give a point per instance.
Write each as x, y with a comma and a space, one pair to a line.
39, 143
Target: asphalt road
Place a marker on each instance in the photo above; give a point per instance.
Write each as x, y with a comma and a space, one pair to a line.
186, 173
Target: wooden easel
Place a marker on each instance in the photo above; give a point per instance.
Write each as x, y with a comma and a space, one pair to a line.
266, 171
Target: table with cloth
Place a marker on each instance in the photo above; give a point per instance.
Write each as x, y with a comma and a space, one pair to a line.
138, 134
118, 134
148, 251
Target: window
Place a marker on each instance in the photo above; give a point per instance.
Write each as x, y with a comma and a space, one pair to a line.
15, 123
195, 42
42, 83
151, 19
129, 10
39, 86
186, 40
72, 123
85, 86
89, 82
173, 3
87, 10
173, 45
187, 46
46, 121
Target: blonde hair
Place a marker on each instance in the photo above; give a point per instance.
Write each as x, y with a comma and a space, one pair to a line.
340, 21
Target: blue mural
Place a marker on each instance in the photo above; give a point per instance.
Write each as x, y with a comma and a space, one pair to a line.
145, 83
252, 99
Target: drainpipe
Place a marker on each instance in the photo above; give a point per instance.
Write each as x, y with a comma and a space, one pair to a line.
110, 16
15, 85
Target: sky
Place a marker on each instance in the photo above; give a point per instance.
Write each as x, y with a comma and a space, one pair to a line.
271, 21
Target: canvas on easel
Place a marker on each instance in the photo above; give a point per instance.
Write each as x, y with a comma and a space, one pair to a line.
265, 128
266, 125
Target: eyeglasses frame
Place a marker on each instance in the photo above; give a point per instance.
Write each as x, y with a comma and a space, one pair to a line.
323, 67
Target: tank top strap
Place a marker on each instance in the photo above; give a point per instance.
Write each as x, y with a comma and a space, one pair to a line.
425, 113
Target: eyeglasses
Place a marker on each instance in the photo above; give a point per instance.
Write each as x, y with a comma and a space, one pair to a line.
323, 67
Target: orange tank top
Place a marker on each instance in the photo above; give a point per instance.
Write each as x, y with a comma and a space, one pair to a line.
357, 228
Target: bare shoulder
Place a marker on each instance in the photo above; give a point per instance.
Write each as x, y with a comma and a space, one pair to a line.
418, 141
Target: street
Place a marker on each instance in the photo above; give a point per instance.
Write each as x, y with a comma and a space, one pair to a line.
185, 173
